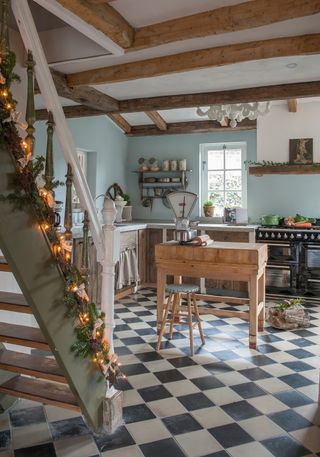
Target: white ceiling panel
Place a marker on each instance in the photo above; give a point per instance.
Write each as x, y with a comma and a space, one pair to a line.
247, 74
144, 12
137, 118
39, 102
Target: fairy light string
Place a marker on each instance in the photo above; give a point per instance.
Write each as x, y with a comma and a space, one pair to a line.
30, 188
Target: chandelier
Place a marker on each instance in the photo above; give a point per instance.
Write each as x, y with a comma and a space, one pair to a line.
235, 113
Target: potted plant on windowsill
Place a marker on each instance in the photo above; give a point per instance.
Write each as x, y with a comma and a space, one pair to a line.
208, 208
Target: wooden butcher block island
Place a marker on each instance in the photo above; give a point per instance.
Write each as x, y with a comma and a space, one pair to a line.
231, 261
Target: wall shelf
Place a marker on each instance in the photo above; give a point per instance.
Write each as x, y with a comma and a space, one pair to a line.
284, 170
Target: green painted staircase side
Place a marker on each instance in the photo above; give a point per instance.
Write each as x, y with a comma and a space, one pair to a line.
40, 279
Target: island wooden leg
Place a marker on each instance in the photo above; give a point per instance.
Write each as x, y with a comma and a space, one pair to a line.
161, 284
262, 299
253, 311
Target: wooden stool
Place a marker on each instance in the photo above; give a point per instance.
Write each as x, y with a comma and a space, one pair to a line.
175, 291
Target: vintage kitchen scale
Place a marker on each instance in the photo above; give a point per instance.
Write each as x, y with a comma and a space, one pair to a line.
182, 204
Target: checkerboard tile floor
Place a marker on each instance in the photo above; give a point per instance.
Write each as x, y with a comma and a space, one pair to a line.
225, 401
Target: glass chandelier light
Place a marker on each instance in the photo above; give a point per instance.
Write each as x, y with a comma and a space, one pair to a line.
236, 113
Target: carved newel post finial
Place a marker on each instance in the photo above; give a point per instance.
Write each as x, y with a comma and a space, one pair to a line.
30, 111
49, 169
109, 211
4, 34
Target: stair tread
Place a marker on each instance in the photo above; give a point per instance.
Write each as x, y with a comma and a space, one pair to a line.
42, 391
4, 266
30, 364
22, 335
14, 302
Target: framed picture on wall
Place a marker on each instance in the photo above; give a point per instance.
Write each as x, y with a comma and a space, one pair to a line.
301, 150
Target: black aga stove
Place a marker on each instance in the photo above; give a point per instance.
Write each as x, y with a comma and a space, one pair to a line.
293, 267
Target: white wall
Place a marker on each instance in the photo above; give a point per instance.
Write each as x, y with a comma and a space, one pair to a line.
275, 130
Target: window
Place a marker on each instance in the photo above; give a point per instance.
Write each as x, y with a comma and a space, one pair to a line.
222, 176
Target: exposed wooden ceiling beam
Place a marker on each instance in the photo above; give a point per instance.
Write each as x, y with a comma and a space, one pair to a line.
199, 59
84, 95
292, 105
232, 18
252, 94
103, 18
189, 127
71, 112
121, 122
157, 119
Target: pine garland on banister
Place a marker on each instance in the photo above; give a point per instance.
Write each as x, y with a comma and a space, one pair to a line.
30, 188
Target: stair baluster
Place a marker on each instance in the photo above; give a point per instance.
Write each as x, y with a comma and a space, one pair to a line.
30, 111
49, 169
4, 35
84, 269
68, 205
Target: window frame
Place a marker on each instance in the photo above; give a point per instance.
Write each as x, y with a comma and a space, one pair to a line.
203, 169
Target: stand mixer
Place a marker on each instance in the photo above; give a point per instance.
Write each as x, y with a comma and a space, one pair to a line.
182, 204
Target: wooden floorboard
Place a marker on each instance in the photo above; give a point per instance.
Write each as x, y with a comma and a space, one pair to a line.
22, 336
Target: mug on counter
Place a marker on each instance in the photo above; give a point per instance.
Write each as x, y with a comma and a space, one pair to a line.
182, 165
173, 165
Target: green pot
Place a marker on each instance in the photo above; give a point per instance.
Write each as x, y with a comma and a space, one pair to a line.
270, 219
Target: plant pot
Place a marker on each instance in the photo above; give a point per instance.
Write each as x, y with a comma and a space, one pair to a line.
208, 211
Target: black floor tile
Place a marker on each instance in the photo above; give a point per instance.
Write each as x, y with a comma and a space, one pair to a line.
179, 362
169, 376
163, 448
109, 441
121, 328
134, 369
296, 380
254, 374
293, 399
43, 450
182, 423
154, 393
27, 416
65, 428
298, 366
240, 410
230, 435
266, 348
260, 360
300, 353
123, 384
143, 313
207, 382
149, 356
290, 420
132, 340
132, 320
145, 331
195, 401
226, 355
248, 390
122, 350
137, 413
217, 367
218, 454
5, 439
284, 446
302, 342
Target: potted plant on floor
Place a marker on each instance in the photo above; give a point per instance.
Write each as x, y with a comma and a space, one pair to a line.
208, 208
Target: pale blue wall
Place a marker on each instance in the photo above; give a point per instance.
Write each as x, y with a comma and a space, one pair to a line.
107, 156
178, 147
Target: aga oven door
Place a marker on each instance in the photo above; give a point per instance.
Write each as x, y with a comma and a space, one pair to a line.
310, 268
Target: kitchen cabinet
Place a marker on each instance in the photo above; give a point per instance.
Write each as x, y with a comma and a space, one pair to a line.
157, 184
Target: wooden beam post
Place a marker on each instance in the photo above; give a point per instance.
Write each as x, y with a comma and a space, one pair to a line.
292, 105
157, 119
120, 122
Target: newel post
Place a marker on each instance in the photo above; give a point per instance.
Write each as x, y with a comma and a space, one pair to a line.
111, 253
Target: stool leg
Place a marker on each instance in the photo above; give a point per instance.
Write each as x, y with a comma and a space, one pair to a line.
175, 302
190, 323
196, 312
164, 321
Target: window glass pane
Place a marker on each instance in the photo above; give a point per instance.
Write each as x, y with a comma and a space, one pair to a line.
233, 180
217, 197
233, 158
233, 199
215, 160
215, 180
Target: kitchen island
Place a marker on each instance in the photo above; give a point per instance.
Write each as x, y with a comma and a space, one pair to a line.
223, 261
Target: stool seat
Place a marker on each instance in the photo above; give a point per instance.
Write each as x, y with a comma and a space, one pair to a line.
182, 288
174, 306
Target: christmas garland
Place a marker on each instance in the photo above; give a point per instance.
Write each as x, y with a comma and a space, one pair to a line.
31, 188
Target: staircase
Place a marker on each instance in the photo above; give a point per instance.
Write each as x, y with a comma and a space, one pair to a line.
60, 379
